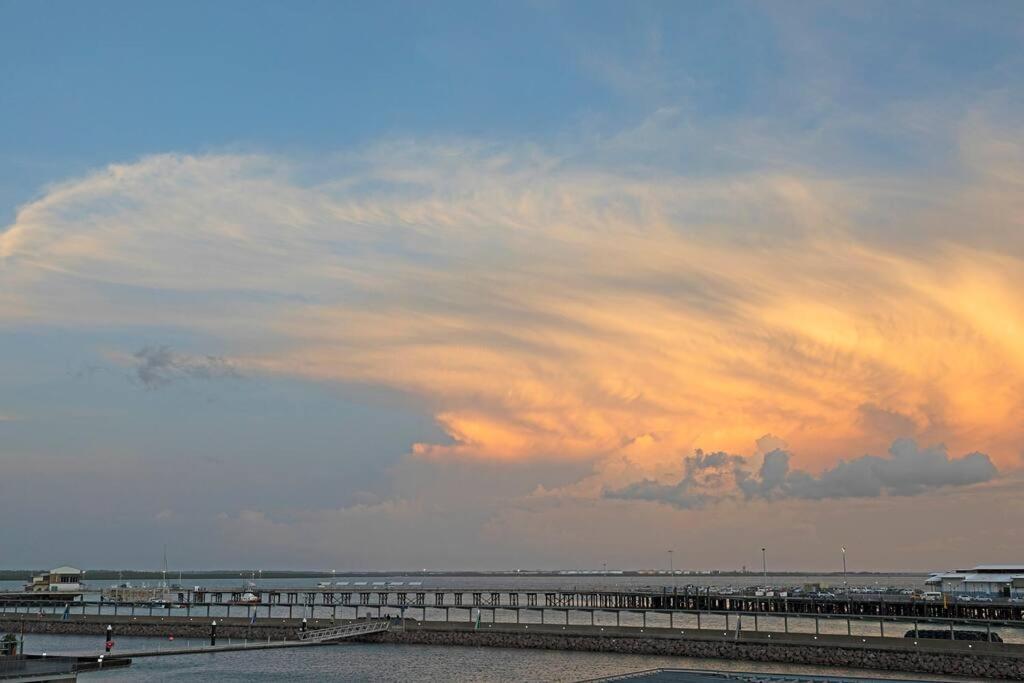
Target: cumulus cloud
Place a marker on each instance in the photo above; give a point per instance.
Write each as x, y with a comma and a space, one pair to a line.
157, 366
705, 475
907, 471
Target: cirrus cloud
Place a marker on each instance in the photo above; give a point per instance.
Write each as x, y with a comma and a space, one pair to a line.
549, 308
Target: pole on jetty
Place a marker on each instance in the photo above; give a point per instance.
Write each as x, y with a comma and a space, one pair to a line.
109, 638
213, 633
846, 585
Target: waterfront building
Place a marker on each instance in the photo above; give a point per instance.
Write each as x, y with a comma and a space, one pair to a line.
60, 580
1006, 580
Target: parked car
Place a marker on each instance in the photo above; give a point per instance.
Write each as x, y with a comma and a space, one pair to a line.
982, 598
963, 598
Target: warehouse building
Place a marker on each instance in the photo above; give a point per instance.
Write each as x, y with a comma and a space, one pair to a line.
994, 580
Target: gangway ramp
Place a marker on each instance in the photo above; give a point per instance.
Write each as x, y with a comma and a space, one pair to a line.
358, 628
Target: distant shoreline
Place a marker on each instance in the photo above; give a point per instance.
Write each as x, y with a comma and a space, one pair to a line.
127, 574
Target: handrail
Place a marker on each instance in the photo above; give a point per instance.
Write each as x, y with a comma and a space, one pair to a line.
345, 630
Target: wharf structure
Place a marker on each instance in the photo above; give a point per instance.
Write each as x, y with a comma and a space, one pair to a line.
342, 601
336, 600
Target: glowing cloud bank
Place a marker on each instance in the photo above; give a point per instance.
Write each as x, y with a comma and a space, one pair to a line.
548, 309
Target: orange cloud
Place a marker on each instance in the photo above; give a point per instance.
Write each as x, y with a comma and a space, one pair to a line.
546, 311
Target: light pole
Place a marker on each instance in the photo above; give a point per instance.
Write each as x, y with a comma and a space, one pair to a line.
846, 589
764, 567
672, 572
846, 585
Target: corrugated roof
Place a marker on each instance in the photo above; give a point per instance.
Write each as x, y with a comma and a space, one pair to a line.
1011, 568
992, 578
65, 570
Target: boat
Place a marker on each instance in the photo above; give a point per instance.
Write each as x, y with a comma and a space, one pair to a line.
246, 598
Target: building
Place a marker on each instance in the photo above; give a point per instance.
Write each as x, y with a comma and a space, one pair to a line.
996, 580
59, 580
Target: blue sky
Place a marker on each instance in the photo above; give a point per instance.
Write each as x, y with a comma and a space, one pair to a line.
436, 271
86, 85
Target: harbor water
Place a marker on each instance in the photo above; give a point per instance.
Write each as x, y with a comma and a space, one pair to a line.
373, 662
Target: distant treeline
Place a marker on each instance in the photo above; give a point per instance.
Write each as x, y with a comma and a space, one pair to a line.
135, 574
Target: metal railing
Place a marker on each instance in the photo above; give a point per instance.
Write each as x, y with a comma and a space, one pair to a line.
345, 631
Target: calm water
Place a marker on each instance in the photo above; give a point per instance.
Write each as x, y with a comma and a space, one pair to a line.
368, 662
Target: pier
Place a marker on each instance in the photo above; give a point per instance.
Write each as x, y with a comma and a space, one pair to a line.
339, 602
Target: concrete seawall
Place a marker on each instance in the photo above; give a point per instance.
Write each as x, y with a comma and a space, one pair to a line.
839, 651
977, 659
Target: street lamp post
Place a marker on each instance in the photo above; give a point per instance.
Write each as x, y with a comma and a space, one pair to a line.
764, 567
846, 589
846, 584
671, 570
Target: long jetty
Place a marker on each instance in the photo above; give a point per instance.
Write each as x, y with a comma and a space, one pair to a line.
335, 600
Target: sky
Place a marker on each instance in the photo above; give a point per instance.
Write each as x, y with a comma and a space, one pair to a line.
491, 285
